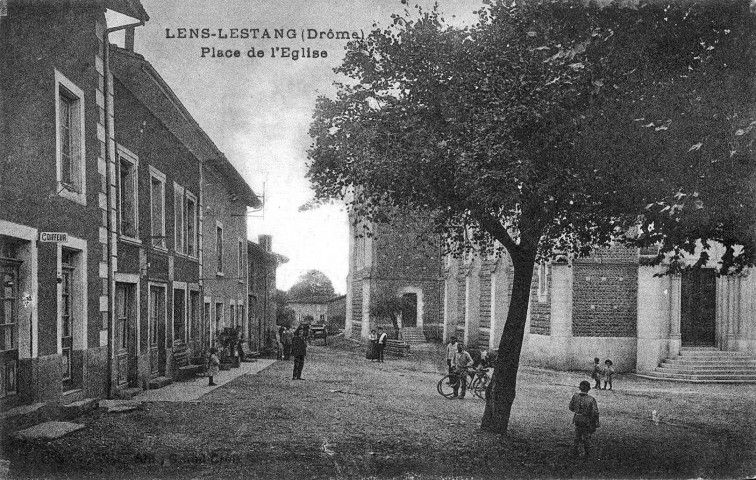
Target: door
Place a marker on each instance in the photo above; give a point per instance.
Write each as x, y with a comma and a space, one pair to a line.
156, 325
8, 326
698, 307
126, 334
409, 310
67, 314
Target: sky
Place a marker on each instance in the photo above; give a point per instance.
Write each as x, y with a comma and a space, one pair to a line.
258, 110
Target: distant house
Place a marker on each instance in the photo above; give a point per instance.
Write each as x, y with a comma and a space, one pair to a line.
312, 309
262, 265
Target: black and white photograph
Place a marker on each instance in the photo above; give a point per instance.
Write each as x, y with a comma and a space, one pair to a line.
378, 239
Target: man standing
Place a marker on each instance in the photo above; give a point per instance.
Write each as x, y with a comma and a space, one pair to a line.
451, 350
381, 343
461, 363
299, 350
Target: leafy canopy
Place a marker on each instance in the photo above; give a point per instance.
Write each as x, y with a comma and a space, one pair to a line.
552, 127
311, 284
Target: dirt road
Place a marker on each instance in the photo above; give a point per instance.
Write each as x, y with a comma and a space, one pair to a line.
351, 418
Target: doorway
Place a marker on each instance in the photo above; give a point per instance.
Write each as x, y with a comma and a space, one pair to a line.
698, 307
126, 354
409, 310
156, 329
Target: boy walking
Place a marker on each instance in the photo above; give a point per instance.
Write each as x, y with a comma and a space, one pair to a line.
586, 418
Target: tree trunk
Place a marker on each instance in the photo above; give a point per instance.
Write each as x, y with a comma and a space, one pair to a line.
500, 394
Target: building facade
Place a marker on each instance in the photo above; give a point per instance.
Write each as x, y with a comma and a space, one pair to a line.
395, 259
611, 305
56, 151
109, 190
263, 263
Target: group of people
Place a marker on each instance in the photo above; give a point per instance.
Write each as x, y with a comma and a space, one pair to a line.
604, 373
461, 363
376, 345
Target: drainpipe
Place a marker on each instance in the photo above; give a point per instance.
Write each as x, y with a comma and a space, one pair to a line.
110, 176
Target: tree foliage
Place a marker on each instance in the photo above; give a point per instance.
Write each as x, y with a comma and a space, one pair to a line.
313, 283
547, 129
384, 305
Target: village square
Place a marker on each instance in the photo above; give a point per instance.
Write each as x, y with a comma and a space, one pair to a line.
506, 240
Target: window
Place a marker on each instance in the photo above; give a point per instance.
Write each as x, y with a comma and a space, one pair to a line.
178, 213
232, 315
219, 248
543, 282
157, 208
218, 318
127, 194
191, 225
252, 276
240, 266
70, 153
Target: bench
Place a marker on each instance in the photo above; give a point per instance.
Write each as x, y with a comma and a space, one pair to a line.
249, 355
182, 359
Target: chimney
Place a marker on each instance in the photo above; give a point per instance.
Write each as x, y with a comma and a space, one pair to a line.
129, 42
265, 242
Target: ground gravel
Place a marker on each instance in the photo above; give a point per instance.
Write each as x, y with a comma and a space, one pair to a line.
351, 418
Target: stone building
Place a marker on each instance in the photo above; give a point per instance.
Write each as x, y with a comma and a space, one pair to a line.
106, 187
611, 305
263, 263
56, 149
397, 260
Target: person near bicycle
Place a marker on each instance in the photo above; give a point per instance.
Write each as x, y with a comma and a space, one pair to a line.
451, 350
461, 364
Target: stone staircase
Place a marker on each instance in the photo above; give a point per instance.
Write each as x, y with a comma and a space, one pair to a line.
412, 335
706, 365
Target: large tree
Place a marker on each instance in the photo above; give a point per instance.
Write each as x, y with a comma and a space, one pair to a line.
546, 129
310, 284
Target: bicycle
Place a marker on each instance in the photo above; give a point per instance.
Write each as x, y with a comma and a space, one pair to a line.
478, 382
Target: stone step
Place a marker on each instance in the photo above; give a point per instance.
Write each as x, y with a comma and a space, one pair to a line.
706, 371
711, 353
78, 408
689, 379
47, 431
703, 363
697, 375
159, 382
